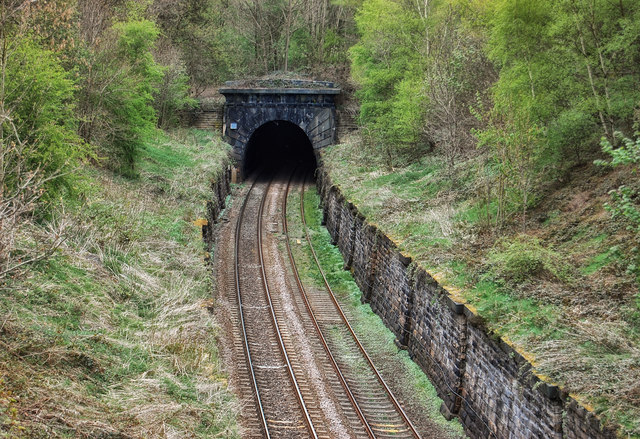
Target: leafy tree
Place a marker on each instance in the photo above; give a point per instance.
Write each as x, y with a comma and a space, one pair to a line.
419, 67
310, 36
516, 146
389, 72
564, 80
117, 97
196, 30
130, 106
171, 95
37, 106
457, 74
39, 148
598, 34
566, 63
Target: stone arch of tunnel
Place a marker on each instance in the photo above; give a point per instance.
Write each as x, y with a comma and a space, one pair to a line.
276, 144
285, 111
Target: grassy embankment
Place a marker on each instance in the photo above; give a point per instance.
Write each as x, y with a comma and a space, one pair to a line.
377, 339
111, 336
564, 291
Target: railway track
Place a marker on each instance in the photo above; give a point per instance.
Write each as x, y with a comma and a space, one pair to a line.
309, 376
382, 413
281, 409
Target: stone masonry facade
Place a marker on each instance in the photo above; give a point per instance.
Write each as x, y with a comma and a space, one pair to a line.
247, 109
481, 379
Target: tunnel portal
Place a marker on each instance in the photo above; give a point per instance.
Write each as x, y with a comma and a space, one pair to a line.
297, 111
277, 144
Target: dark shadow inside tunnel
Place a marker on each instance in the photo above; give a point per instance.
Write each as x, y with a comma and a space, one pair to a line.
276, 145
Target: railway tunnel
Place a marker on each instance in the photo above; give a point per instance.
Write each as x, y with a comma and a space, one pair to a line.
278, 144
275, 124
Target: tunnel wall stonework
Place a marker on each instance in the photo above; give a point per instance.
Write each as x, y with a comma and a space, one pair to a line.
482, 380
313, 110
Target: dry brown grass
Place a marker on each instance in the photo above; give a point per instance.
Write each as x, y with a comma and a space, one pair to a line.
111, 336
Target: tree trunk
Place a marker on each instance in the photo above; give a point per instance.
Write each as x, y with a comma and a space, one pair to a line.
591, 79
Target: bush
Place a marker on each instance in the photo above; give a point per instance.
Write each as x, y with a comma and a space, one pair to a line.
41, 127
523, 259
625, 198
172, 95
39, 148
117, 98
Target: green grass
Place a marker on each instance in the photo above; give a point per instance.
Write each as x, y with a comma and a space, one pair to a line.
601, 260
520, 318
110, 335
561, 291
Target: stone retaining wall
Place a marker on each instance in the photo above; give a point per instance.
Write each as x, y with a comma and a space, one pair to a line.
220, 188
482, 380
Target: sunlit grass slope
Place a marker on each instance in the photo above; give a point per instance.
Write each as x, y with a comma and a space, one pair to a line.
564, 290
112, 336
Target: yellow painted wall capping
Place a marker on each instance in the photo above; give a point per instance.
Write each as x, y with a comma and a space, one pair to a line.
200, 222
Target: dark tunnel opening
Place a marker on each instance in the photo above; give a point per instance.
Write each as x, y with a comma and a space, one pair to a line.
277, 145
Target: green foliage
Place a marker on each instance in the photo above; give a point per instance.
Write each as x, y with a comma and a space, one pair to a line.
519, 155
525, 258
419, 67
183, 391
300, 49
565, 63
118, 93
207, 48
334, 48
172, 96
609, 256
570, 131
625, 198
39, 100
520, 318
131, 106
628, 153
389, 73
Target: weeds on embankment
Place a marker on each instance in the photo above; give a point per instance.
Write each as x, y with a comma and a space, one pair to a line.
111, 336
564, 290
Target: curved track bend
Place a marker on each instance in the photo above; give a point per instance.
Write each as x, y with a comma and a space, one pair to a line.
308, 375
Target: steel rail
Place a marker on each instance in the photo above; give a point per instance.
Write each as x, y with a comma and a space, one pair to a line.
393, 399
283, 349
316, 325
247, 351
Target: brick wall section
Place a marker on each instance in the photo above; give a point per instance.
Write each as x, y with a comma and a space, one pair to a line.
363, 259
322, 128
207, 119
345, 237
481, 379
390, 291
502, 395
580, 423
